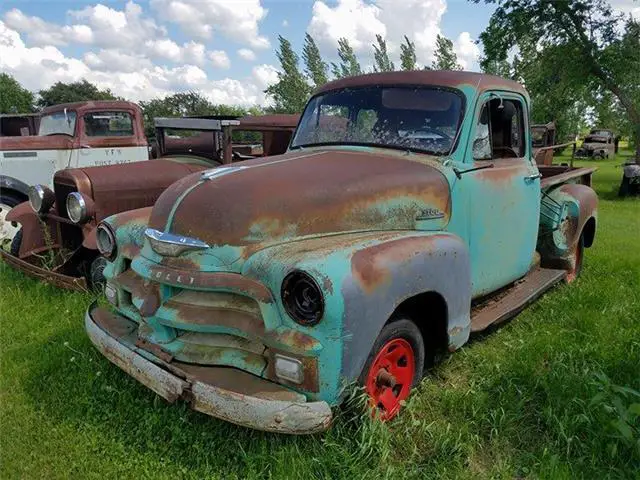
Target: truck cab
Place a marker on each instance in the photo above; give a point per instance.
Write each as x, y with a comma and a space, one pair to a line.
407, 213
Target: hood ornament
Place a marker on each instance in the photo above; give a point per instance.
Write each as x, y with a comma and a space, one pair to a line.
171, 245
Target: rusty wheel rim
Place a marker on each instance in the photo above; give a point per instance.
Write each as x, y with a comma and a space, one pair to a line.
390, 378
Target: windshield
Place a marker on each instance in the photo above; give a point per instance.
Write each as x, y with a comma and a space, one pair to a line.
593, 139
415, 118
58, 122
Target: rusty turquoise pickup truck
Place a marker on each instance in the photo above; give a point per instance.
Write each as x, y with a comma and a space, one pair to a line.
406, 214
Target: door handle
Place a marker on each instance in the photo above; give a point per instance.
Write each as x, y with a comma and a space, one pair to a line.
533, 177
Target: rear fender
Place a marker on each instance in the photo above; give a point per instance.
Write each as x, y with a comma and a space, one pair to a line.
34, 239
566, 211
364, 278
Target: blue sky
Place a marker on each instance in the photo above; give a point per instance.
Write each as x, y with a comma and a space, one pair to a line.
224, 48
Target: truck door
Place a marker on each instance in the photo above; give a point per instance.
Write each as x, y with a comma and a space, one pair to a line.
504, 199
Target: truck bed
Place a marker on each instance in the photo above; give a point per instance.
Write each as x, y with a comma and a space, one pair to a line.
556, 174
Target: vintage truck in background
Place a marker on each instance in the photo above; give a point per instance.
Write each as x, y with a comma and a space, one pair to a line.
71, 135
407, 213
55, 238
600, 144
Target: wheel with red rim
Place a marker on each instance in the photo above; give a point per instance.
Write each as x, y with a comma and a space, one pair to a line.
393, 368
576, 261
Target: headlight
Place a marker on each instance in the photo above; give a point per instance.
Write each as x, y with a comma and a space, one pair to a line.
41, 198
106, 241
77, 208
302, 298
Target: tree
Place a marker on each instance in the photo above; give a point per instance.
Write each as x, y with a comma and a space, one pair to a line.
182, 104
14, 98
601, 49
315, 67
349, 64
381, 56
291, 92
445, 57
408, 55
73, 92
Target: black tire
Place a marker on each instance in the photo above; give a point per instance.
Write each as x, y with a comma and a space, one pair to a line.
625, 187
10, 198
96, 273
16, 242
400, 328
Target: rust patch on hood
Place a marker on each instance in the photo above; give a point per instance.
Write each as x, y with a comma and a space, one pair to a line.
306, 193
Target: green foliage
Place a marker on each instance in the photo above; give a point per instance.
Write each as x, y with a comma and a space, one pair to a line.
73, 92
601, 51
291, 92
349, 64
315, 67
14, 98
408, 55
182, 104
381, 56
445, 57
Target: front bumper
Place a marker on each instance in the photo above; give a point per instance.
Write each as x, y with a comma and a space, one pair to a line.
57, 279
222, 392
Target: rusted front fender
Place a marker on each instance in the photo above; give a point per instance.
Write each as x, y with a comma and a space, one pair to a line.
33, 238
238, 398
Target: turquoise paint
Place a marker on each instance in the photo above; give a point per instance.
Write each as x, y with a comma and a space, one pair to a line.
495, 214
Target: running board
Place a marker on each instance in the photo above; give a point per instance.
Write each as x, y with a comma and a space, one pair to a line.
510, 302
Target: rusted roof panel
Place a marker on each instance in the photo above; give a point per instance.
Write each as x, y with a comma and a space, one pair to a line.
445, 78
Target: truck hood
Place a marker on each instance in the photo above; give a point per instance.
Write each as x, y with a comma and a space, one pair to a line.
123, 187
304, 193
35, 142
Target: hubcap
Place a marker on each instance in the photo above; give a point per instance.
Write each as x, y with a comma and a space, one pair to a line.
7, 231
390, 377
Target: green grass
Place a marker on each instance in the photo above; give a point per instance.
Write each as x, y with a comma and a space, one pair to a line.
548, 395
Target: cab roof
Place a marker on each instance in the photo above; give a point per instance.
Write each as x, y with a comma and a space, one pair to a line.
92, 105
443, 78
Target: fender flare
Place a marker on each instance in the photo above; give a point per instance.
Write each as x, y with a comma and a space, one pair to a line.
11, 183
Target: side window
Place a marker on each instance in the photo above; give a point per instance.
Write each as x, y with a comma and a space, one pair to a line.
108, 124
500, 131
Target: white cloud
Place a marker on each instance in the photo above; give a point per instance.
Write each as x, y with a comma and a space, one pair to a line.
238, 20
359, 22
467, 51
247, 54
129, 74
285, 23
219, 59
627, 7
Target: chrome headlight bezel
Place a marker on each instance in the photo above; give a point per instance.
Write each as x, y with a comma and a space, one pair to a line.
41, 198
77, 209
106, 241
